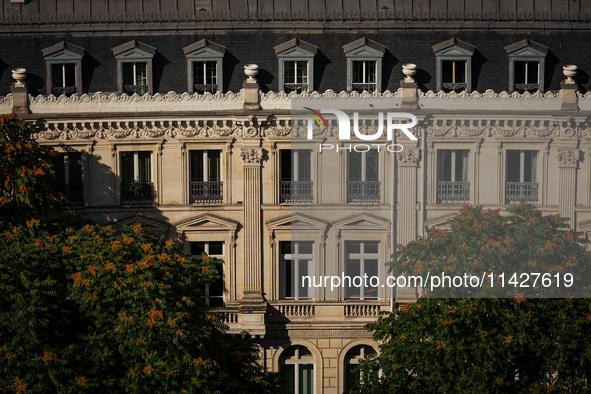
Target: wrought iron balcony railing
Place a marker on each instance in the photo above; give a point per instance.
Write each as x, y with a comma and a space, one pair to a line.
205, 87
74, 192
529, 87
360, 87
206, 192
67, 90
295, 87
139, 89
292, 191
522, 191
137, 193
453, 192
454, 86
363, 191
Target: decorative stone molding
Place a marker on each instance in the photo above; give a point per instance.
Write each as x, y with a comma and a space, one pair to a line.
251, 156
408, 157
568, 158
320, 333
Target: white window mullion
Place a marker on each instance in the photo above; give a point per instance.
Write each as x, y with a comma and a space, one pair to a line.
66, 169
295, 166
363, 167
136, 167
453, 165
521, 165
205, 167
63, 76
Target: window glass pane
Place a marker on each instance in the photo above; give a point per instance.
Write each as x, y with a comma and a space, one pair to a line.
353, 247
460, 71
289, 75
302, 72
128, 74
211, 72
305, 247
60, 168
141, 73
371, 269
70, 70
447, 67
303, 270
145, 166
529, 166
57, 76
371, 247
520, 72
513, 165
370, 69
532, 72
75, 164
371, 162
216, 248
216, 289
306, 378
352, 269
196, 164
285, 247
462, 165
213, 163
304, 165
198, 73
127, 174
354, 166
357, 72
352, 377
289, 279
285, 164
288, 374
197, 248
444, 165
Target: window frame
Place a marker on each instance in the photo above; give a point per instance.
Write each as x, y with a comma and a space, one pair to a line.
134, 52
296, 50
155, 147
63, 53
206, 173
283, 272
205, 51
297, 363
364, 50
363, 172
66, 158
453, 50
542, 146
362, 271
527, 51
222, 256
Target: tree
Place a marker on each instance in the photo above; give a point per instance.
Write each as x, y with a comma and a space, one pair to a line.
91, 310
487, 345
26, 173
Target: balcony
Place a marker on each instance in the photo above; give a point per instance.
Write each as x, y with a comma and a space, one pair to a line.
139, 89
206, 192
453, 192
363, 191
361, 87
74, 192
295, 87
137, 193
205, 87
67, 90
296, 191
455, 86
522, 191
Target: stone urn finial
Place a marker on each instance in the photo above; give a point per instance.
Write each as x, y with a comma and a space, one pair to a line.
569, 71
19, 74
251, 70
409, 69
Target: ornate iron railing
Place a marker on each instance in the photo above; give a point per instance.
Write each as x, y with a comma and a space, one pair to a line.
522, 191
206, 192
363, 191
295, 87
454, 86
527, 87
200, 87
453, 192
361, 87
139, 89
300, 191
74, 192
67, 90
137, 193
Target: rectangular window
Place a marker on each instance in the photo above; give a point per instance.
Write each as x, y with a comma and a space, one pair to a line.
296, 262
452, 176
522, 183
361, 258
362, 176
527, 76
295, 76
364, 75
213, 292
295, 170
206, 184
70, 178
135, 78
453, 75
205, 77
63, 78
136, 177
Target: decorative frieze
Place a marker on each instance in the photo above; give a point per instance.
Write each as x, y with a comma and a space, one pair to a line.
408, 157
568, 158
318, 333
251, 156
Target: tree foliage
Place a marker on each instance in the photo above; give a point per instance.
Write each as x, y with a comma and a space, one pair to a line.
487, 345
26, 173
94, 311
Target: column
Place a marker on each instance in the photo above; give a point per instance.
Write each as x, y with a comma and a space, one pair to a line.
567, 189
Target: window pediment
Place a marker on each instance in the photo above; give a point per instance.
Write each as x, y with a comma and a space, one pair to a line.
157, 226
63, 51
453, 47
440, 222
297, 221
525, 48
296, 48
207, 222
204, 48
134, 50
362, 221
364, 47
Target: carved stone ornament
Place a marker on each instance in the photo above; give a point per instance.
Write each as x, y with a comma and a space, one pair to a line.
408, 157
251, 156
568, 158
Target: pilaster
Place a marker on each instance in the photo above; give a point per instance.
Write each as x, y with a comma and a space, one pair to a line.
568, 160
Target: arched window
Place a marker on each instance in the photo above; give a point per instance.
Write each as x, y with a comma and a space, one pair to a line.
352, 359
297, 369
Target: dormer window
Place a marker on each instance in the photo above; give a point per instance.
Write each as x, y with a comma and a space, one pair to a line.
454, 66
296, 65
134, 67
63, 68
364, 65
527, 61
204, 66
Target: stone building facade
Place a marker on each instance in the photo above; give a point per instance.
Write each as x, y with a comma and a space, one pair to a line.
157, 123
